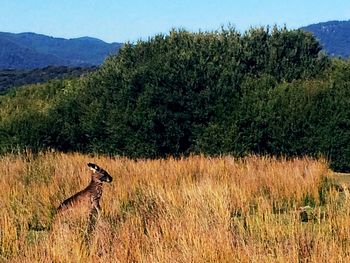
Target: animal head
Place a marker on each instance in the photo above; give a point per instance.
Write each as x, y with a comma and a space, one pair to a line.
99, 175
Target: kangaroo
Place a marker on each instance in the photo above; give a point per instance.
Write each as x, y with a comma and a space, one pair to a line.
88, 200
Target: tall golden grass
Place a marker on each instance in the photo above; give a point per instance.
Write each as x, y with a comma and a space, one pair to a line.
194, 209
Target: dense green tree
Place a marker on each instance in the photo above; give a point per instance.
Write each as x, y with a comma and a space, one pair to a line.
157, 97
267, 91
311, 118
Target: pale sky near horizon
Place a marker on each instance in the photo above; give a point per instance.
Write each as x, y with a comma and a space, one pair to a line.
121, 21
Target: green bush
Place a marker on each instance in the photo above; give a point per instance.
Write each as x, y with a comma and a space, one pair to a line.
267, 91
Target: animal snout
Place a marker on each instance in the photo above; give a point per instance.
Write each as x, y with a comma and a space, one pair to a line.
107, 178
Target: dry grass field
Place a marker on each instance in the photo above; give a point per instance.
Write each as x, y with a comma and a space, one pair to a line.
194, 209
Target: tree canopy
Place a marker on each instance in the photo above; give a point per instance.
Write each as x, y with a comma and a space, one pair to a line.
266, 91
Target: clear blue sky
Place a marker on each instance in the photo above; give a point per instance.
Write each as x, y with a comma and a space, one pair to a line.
129, 20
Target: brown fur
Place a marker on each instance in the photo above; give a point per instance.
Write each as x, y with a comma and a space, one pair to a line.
85, 203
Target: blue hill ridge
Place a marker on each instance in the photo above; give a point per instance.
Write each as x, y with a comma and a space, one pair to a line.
30, 50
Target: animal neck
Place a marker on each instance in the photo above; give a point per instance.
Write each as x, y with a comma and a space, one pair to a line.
95, 185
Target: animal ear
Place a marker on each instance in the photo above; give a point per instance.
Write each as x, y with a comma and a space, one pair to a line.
93, 167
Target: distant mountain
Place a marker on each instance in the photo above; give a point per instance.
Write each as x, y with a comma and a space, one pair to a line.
334, 37
30, 50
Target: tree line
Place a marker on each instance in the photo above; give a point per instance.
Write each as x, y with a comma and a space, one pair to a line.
11, 78
265, 91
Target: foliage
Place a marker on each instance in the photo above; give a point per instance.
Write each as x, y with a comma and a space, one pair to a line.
24, 119
267, 91
157, 97
10, 78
